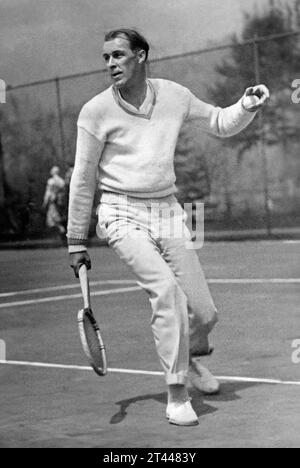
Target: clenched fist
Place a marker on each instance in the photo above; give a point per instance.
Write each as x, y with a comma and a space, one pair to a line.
255, 97
78, 259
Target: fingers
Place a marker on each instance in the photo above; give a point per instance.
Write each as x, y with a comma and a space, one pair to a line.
262, 92
79, 259
259, 90
249, 91
79, 264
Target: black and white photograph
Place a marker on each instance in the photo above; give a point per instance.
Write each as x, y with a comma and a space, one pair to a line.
149, 226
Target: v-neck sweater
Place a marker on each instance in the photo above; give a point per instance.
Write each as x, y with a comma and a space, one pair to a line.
146, 108
132, 152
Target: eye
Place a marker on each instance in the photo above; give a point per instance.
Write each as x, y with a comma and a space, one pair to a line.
117, 54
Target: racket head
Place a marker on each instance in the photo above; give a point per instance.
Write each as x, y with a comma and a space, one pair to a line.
91, 341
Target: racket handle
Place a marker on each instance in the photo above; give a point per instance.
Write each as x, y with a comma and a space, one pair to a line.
85, 286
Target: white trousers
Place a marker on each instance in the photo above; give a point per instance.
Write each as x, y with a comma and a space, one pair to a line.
183, 311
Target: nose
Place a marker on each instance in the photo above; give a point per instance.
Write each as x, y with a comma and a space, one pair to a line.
111, 63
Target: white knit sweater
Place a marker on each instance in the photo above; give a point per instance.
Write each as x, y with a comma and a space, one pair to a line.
132, 151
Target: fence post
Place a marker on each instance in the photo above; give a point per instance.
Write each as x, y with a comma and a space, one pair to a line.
60, 120
261, 143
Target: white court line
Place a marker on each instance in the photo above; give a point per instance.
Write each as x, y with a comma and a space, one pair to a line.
72, 367
104, 282
4, 305
63, 286
255, 281
260, 242
67, 297
143, 372
262, 381
123, 281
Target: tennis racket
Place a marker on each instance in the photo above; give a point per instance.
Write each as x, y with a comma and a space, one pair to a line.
89, 331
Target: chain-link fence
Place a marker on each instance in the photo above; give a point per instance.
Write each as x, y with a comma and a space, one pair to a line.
248, 182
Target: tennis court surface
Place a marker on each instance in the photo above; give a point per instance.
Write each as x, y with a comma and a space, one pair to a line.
50, 397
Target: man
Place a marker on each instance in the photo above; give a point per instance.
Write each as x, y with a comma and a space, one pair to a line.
128, 133
53, 201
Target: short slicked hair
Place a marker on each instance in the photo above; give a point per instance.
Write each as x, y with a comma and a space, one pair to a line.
136, 40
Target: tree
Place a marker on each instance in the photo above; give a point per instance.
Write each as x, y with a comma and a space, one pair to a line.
191, 167
279, 61
30, 149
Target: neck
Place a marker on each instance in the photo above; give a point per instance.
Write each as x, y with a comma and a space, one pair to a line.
135, 93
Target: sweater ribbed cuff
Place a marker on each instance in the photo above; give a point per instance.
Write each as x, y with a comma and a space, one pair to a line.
74, 241
77, 245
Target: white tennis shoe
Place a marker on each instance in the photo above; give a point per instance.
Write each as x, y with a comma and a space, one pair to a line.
181, 414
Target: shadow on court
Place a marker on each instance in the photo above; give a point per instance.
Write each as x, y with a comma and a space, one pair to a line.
229, 392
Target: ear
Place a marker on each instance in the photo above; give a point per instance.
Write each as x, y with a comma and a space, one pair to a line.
141, 56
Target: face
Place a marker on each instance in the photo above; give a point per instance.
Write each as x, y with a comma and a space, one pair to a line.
122, 63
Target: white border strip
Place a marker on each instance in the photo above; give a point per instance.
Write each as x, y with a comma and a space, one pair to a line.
6, 305
143, 372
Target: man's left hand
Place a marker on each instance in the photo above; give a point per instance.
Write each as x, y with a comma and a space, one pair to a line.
261, 92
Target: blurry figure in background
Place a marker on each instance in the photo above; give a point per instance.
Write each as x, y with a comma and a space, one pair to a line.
54, 201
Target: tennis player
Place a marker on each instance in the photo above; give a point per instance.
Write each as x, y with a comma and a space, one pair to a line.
127, 136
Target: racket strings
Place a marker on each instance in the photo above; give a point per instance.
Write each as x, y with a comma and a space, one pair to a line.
92, 339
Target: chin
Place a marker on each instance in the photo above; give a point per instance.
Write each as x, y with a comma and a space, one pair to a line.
120, 84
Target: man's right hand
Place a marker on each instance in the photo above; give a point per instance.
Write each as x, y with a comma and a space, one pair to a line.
78, 259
